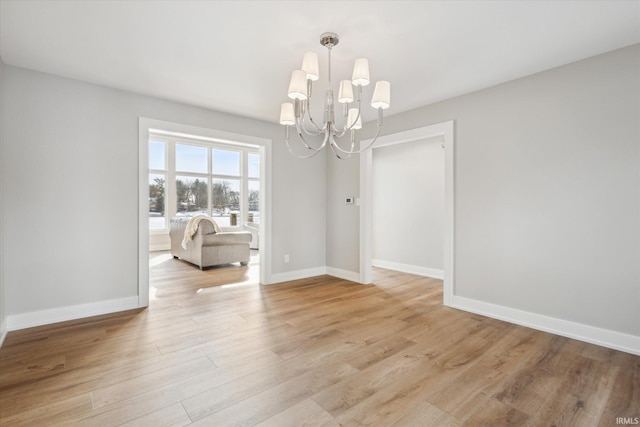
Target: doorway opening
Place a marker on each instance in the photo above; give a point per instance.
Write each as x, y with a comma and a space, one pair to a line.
445, 131
186, 171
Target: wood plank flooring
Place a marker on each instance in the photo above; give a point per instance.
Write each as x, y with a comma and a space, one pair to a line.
216, 349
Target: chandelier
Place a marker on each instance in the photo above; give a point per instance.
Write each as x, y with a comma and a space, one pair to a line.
298, 113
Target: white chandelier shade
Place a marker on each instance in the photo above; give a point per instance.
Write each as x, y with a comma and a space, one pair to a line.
286, 114
298, 85
381, 95
360, 72
298, 112
345, 94
310, 65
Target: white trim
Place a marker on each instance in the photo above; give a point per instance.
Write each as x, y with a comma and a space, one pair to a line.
3, 332
344, 274
143, 208
446, 130
314, 272
146, 125
297, 275
408, 268
158, 248
62, 314
366, 215
591, 334
265, 212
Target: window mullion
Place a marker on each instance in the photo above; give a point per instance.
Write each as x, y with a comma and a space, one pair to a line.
244, 188
210, 181
171, 177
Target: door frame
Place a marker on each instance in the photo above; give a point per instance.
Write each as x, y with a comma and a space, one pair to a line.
444, 130
263, 145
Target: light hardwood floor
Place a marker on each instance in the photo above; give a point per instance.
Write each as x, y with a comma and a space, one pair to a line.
214, 349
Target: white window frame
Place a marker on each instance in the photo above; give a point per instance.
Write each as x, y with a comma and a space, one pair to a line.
164, 172
172, 173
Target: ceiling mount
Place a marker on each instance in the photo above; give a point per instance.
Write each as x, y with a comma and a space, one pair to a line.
329, 40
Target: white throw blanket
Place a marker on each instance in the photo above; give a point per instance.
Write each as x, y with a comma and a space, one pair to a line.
192, 228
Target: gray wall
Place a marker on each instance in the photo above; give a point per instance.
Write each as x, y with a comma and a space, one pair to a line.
547, 192
408, 203
343, 235
71, 180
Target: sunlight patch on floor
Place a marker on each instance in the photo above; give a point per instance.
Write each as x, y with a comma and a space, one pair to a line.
239, 284
252, 278
159, 259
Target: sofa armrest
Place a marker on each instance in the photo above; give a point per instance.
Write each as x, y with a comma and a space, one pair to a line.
230, 229
226, 238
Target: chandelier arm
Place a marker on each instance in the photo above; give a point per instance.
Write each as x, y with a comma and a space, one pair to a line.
298, 118
308, 101
315, 131
299, 121
316, 150
318, 129
332, 145
311, 132
298, 155
355, 120
337, 132
362, 149
300, 127
340, 132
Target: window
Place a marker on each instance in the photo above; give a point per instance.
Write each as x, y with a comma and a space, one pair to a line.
156, 155
254, 201
192, 196
189, 177
254, 165
226, 201
157, 185
190, 158
226, 162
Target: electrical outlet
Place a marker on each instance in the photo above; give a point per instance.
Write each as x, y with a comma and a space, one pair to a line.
286, 258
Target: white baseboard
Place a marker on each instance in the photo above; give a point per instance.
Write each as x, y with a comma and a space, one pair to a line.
3, 332
343, 274
591, 334
297, 275
62, 314
159, 248
313, 272
407, 268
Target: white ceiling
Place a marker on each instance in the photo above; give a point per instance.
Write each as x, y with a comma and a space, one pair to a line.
237, 56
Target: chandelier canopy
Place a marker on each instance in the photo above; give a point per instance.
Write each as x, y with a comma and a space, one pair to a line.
298, 113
